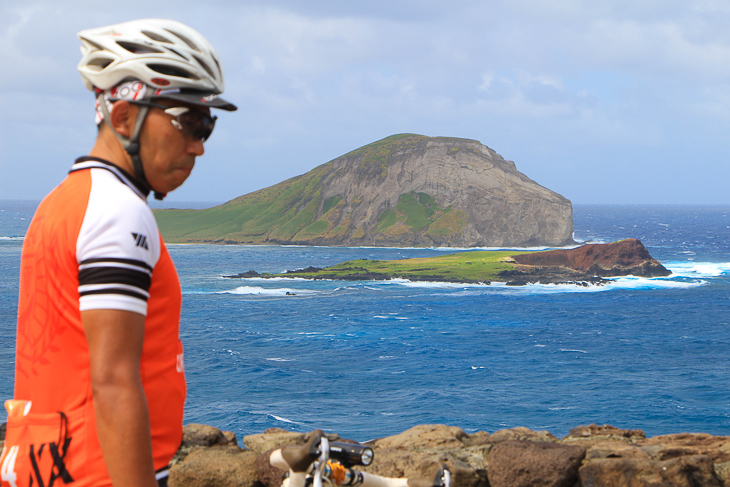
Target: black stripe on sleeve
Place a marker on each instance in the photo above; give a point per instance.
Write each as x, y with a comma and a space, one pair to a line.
114, 275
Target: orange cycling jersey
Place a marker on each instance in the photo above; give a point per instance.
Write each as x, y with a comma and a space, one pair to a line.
93, 244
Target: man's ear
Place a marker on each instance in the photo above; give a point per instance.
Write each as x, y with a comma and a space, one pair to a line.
123, 117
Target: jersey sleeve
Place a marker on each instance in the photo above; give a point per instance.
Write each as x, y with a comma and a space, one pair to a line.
117, 248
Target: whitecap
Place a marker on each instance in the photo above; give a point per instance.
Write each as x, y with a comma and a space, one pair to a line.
261, 291
391, 317
279, 359
434, 284
549, 288
632, 282
625, 282
698, 269
283, 420
269, 279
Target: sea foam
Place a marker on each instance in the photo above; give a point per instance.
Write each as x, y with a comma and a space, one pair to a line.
698, 270
261, 291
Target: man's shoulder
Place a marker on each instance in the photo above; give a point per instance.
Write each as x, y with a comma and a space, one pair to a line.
108, 187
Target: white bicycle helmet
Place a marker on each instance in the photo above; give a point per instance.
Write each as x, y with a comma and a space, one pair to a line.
173, 59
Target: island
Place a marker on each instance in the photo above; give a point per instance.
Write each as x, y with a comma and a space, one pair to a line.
584, 265
406, 190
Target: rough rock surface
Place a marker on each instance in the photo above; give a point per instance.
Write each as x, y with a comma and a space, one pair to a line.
589, 456
501, 205
587, 263
534, 464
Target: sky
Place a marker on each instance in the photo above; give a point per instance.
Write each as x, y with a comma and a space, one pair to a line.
610, 102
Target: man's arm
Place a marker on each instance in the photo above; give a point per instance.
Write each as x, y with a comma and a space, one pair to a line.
115, 340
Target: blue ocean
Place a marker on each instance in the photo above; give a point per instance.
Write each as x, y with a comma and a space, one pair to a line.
371, 359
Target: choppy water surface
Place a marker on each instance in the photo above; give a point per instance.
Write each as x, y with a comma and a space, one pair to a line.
368, 359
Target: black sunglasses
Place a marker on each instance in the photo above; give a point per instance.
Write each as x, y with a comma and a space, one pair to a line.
194, 123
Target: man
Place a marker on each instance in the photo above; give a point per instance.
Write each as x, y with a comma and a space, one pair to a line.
99, 381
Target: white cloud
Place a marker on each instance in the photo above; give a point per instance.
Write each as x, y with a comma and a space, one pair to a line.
531, 78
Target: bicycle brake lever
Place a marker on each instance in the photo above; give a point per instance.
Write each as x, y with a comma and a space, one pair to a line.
443, 477
324, 454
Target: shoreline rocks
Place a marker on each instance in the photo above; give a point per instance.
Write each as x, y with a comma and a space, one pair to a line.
589, 456
585, 265
589, 264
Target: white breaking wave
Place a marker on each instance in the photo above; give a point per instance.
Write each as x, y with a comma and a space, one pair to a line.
283, 420
270, 279
698, 270
685, 275
631, 282
433, 284
261, 291
626, 282
390, 316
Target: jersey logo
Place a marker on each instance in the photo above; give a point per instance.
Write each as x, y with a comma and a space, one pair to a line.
38, 470
140, 240
58, 468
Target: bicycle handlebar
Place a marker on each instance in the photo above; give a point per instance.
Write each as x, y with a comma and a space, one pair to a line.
313, 458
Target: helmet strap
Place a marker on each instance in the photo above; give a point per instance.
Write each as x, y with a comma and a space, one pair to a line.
131, 144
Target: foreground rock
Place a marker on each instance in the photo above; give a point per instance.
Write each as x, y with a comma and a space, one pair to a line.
590, 456
589, 263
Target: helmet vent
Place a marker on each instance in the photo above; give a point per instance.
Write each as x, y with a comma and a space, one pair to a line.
99, 63
135, 48
205, 66
187, 41
156, 37
93, 44
171, 71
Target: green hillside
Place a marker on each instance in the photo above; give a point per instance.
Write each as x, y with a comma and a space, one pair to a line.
278, 212
469, 267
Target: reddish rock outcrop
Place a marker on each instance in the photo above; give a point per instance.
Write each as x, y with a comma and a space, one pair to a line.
612, 259
587, 264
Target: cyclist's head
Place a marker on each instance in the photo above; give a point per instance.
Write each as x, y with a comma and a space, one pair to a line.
174, 60
144, 60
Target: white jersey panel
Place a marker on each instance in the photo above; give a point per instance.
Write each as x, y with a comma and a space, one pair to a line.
117, 248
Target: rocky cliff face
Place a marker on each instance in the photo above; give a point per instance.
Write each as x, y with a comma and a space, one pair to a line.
405, 190
442, 191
